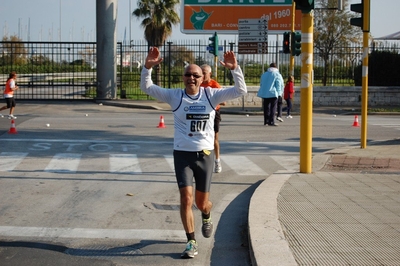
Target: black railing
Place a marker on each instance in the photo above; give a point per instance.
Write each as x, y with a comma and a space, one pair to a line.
67, 70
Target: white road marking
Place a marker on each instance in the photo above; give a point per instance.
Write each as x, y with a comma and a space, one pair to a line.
64, 162
10, 160
124, 163
170, 161
94, 233
289, 162
242, 165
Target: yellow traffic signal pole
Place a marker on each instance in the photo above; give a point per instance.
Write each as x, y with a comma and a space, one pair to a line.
291, 66
306, 102
364, 95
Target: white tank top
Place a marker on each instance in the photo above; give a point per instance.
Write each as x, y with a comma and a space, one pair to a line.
194, 123
194, 116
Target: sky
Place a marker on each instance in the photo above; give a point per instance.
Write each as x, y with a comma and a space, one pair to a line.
41, 20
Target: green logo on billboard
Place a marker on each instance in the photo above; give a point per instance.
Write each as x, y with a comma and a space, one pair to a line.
199, 18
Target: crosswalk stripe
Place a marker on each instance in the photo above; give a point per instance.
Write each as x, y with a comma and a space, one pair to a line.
124, 163
289, 162
10, 160
242, 165
94, 233
127, 163
170, 161
63, 163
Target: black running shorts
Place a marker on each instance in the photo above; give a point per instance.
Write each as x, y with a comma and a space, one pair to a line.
197, 165
217, 120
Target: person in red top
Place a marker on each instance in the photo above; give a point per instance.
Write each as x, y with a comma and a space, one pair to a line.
9, 95
209, 82
288, 93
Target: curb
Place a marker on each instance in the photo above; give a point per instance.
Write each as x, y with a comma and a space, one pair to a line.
129, 105
267, 243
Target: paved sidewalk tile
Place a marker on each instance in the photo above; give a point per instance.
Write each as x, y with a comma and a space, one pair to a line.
332, 218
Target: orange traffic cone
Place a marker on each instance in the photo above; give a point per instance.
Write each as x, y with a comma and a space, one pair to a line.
12, 130
161, 124
356, 124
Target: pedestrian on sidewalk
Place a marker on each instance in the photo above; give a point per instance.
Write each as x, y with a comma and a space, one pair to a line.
11, 86
194, 113
288, 94
209, 82
271, 86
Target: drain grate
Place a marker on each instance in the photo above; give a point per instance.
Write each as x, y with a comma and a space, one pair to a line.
103, 252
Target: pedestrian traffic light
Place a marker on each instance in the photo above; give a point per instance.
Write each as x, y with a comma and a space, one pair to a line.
213, 45
296, 43
286, 42
304, 5
363, 21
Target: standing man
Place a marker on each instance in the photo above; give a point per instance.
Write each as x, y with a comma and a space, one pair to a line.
9, 95
271, 87
209, 82
194, 112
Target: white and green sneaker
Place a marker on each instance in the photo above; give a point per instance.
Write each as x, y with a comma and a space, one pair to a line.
191, 249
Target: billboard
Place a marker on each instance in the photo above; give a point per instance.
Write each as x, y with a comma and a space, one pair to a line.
222, 16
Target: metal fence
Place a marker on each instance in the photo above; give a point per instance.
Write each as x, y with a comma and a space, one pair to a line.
50, 70
67, 70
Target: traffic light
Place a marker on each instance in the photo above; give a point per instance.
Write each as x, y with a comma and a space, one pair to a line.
363, 21
286, 42
296, 43
213, 45
304, 5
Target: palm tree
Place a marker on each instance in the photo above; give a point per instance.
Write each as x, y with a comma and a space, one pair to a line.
159, 17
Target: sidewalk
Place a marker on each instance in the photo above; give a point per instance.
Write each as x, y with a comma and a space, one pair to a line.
347, 212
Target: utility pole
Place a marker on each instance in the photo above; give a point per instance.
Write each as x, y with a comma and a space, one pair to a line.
306, 102
364, 23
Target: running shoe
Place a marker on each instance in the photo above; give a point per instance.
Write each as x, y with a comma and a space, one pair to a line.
279, 119
218, 167
1, 115
12, 117
191, 249
207, 227
289, 116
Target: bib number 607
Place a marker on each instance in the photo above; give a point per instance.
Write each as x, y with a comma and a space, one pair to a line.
197, 125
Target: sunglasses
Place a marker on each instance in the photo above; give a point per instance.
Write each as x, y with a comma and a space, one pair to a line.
188, 75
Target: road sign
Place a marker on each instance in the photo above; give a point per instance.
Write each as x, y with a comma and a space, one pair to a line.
252, 33
220, 48
209, 16
253, 36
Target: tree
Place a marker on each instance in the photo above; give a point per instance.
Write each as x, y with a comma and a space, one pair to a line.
333, 32
159, 17
13, 51
179, 56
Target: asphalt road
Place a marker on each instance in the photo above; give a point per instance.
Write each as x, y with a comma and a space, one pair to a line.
97, 186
